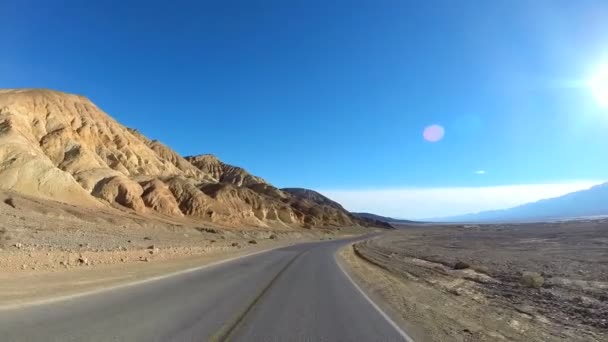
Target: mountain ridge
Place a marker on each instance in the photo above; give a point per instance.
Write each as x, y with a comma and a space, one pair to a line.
63, 147
384, 218
588, 202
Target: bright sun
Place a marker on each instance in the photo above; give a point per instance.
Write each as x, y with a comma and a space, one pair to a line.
599, 86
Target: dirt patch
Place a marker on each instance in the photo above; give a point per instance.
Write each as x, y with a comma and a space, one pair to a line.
532, 282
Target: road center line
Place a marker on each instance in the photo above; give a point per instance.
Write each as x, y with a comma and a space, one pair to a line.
225, 331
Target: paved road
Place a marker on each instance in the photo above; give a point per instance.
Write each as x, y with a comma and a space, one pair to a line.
296, 293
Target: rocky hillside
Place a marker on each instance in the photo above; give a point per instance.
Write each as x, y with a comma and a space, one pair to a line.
380, 218
313, 196
224, 173
63, 147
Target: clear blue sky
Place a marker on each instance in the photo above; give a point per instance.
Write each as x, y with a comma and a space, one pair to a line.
336, 94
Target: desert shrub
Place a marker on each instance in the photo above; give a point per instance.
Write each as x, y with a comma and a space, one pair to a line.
4, 238
207, 230
461, 265
532, 279
10, 202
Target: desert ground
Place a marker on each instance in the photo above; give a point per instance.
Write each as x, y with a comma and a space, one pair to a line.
511, 282
49, 249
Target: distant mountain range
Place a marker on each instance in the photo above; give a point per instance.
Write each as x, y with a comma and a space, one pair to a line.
590, 202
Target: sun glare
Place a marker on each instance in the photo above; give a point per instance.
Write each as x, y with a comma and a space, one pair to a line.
599, 86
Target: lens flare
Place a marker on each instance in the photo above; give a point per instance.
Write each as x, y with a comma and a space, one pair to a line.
599, 86
433, 133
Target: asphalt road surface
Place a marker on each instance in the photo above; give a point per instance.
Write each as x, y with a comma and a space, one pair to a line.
296, 293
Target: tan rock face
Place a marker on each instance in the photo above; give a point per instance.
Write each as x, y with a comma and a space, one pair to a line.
165, 153
223, 172
120, 190
156, 195
190, 199
24, 166
63, 147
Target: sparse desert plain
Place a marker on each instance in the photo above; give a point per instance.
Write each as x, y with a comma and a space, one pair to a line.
508, 282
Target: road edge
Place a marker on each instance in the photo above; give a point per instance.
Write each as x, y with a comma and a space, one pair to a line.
365, 295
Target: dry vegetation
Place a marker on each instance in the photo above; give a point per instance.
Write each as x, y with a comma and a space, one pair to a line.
526, 282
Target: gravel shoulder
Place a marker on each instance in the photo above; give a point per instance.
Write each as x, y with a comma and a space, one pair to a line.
29, 287
488, 296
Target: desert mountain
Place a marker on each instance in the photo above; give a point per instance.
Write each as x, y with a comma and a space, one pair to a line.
224, 173
63, 147
590, 202
313, 196
383, 218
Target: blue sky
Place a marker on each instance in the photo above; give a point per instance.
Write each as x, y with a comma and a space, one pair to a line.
335, 95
